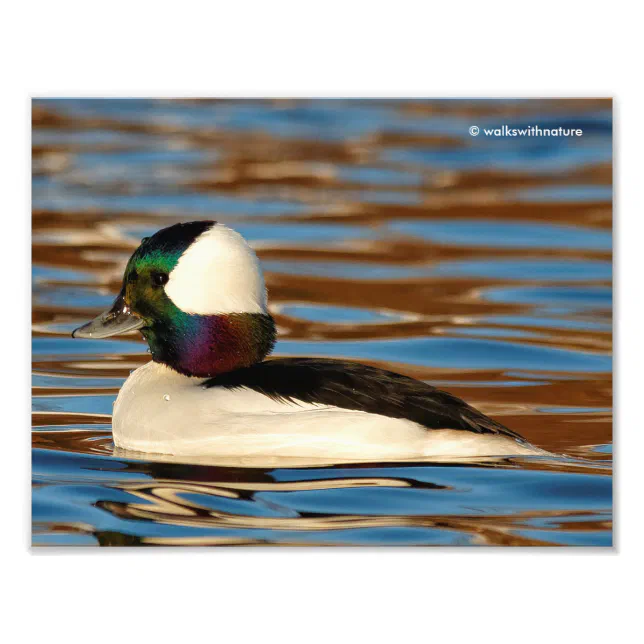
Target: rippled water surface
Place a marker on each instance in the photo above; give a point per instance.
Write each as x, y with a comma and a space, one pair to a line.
388, 234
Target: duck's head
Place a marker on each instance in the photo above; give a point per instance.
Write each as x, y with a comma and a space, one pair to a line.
196, 293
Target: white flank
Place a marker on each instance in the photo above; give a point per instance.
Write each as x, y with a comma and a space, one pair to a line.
218, 273
161, 411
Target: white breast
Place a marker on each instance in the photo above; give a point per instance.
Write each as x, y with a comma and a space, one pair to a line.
161, 411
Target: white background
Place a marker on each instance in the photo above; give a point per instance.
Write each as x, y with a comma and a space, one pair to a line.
468, 49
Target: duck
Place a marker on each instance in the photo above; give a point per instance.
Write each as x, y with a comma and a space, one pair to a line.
196, 293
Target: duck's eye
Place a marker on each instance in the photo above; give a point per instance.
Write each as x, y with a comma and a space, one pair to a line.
132, 276
159, 279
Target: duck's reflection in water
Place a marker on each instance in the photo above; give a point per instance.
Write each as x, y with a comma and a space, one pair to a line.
228, 505
164, 500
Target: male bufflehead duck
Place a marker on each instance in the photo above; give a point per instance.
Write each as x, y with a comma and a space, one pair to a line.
196, 292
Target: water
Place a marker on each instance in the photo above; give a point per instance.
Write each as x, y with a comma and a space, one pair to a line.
388, 235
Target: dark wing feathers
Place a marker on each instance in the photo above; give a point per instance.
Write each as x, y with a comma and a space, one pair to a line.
351, 385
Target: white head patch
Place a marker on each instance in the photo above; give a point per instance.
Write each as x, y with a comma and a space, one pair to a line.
218, 273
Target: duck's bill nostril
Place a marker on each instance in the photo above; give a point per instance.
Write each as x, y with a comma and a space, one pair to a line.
119, 319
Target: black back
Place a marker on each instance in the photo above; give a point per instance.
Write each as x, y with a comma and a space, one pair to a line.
351, 385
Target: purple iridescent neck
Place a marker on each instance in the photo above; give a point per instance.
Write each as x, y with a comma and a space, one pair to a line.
208, 345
